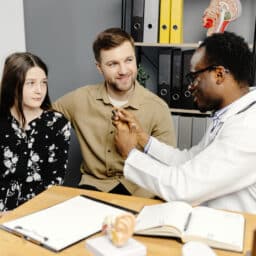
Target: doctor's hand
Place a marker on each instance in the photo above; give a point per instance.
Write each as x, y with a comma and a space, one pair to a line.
124, 116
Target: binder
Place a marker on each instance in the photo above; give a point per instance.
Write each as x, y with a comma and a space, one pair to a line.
176, 75
151, 13
65, 223
126, 15
137, 20
165, 19
187, 101
164, 73
176, 23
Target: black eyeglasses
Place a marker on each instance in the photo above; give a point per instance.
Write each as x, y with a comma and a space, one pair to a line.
191, 76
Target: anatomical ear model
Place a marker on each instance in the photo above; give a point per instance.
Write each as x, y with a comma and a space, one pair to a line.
119, 228
219, 14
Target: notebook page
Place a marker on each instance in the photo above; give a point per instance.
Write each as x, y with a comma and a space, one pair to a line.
172, 214
217, 225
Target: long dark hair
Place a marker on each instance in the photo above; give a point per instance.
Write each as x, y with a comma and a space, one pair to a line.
15, 69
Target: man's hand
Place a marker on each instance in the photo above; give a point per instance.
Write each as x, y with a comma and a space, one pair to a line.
124, 120
125, 139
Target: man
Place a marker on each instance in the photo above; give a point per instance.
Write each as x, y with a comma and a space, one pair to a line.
220, 170
89, 110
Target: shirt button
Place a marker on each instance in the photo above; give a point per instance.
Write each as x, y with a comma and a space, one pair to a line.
111, 132
109, 150
109, 172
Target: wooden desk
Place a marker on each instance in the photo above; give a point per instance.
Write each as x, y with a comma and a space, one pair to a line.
11, 245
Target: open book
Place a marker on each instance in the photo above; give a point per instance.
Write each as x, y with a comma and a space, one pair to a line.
217, 228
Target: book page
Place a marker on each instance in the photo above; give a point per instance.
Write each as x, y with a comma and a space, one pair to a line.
65, 223
172, 214
224, 229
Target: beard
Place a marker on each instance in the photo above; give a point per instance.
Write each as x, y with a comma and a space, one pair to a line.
205, 103
121, 87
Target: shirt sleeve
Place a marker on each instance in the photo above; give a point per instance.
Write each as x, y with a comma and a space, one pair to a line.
65, 105
58, 155
223, 167
168, 154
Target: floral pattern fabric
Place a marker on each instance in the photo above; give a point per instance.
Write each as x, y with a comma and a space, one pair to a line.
32, 159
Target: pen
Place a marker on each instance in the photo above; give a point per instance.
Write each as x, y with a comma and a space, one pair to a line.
187, 222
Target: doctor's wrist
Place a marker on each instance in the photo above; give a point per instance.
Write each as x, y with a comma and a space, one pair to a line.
142, 139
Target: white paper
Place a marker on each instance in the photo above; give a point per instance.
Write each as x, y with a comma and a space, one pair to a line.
65, 223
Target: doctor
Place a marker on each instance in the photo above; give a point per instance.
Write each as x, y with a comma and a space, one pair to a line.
219, 171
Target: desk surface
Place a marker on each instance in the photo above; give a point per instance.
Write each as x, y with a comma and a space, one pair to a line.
11, 245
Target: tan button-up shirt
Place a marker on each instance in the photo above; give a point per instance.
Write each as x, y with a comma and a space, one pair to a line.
89, 110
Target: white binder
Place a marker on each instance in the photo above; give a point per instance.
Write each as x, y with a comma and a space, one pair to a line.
151, 14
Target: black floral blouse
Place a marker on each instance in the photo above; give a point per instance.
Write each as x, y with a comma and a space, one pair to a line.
33, 159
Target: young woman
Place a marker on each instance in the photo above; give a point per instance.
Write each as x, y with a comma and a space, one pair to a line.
34, 139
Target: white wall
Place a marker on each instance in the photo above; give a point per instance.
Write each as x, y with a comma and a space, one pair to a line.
12, 29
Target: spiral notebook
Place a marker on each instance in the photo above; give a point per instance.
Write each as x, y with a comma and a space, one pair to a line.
63, 224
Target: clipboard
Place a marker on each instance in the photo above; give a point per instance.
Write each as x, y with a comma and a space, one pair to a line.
65, 223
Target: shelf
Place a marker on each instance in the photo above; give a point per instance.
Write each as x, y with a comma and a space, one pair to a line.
185, 45
189, 111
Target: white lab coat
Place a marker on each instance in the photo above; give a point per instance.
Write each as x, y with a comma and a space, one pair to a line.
220, 173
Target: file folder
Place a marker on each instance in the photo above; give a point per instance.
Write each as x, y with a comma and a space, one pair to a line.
151, 14
186, 97
176, 75
176, 23
137, 20
164, 73
126, 15
165, 19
